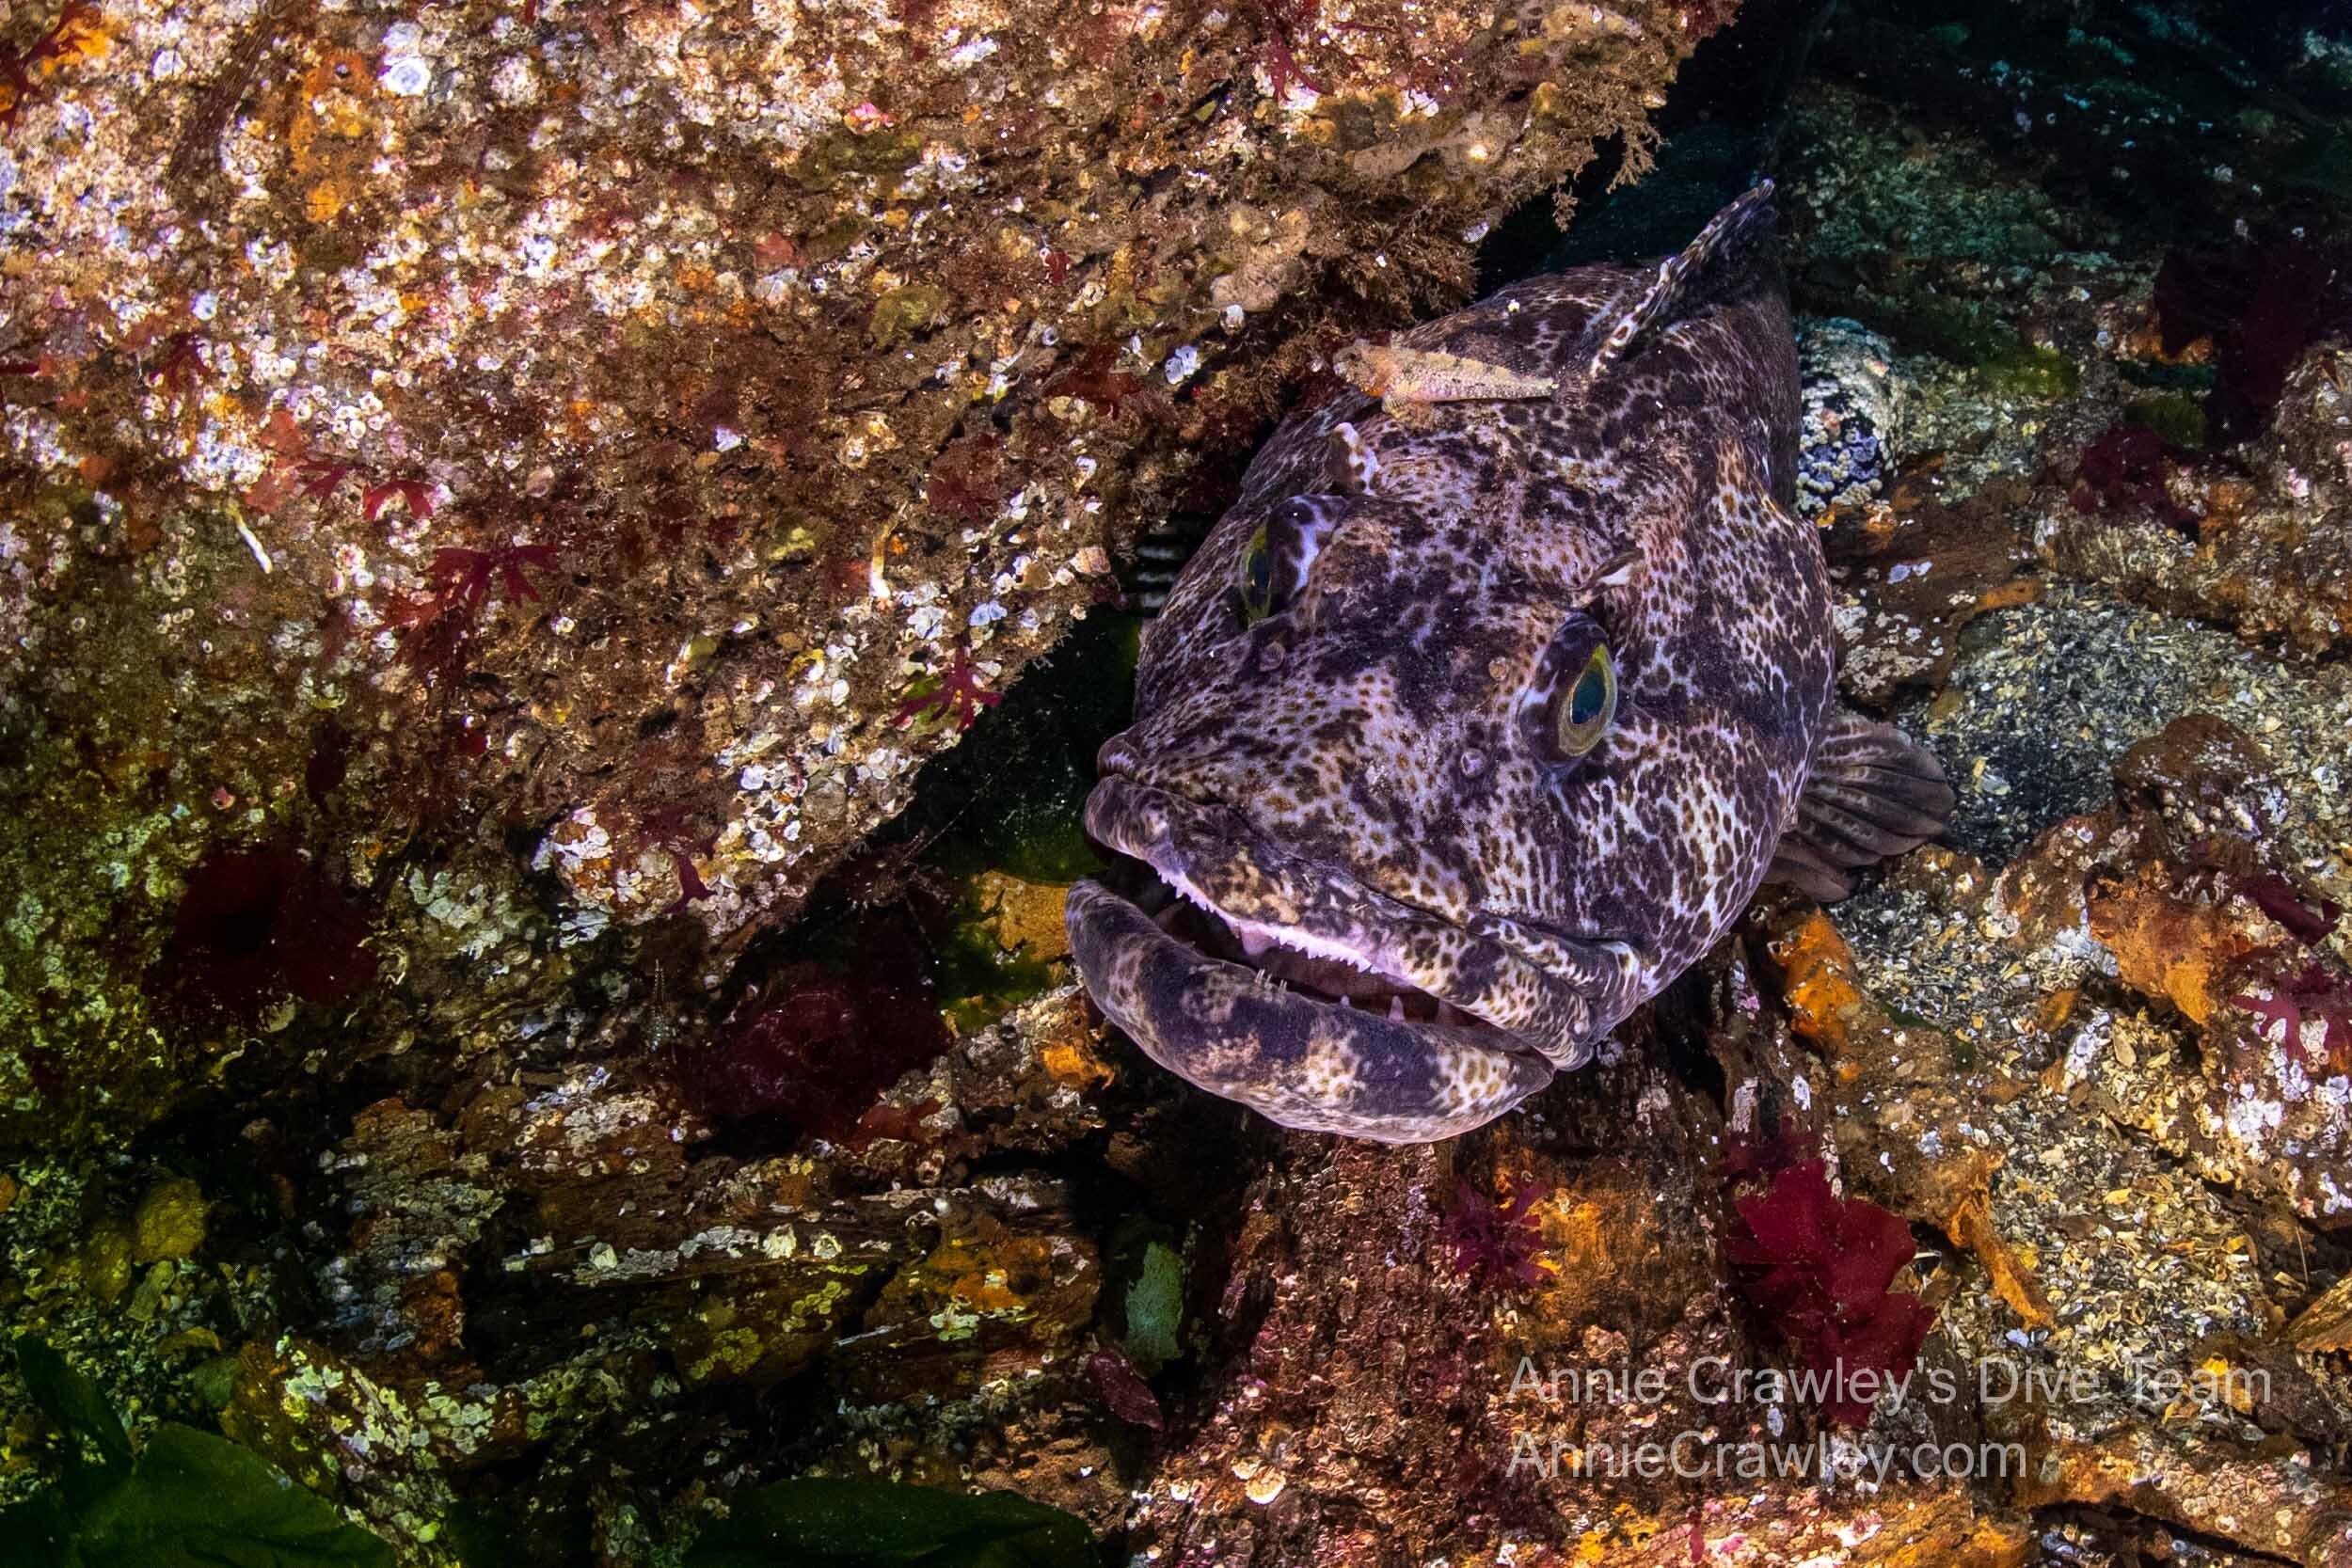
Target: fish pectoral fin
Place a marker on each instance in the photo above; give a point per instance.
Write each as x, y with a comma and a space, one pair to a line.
1798, 867
1873, 792
1663, 294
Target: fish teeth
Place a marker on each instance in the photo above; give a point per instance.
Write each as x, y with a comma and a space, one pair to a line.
1396, 1009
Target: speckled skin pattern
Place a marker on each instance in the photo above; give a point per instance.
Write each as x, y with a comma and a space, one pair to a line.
1359, 781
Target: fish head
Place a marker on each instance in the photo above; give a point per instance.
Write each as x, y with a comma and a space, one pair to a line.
1481, 714
1370, 745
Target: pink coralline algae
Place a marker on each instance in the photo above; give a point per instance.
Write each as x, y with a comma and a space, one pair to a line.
1498, 1243
2125, 470
1819, 1268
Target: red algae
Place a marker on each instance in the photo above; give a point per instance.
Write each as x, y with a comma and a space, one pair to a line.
2317, 989
266, 921
1123, 1389
2125, 470
1092, 380
809, 1049
957, 695
967, 483
437, 629
54, 44
1820, 1268
328, 764
1498, 1243
2262, 304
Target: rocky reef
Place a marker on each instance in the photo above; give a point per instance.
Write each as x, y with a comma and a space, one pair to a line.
533, 1000
554, 468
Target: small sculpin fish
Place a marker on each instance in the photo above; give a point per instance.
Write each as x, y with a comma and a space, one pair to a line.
1488, 707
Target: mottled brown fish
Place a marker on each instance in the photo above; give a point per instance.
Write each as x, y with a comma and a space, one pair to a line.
1487, 708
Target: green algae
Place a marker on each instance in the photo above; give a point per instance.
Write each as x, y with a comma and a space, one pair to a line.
2180, 421
1967, 332
1146, 1297
2031, 371
2322, 162
905, 313
185, 1498
169, 1221
2172, 378
1155, 1308
831, 159
1975, 334
79, 1041
983, 978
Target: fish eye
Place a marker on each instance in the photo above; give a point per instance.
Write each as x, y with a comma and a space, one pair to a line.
1257, 576
1581, 712
1274, 563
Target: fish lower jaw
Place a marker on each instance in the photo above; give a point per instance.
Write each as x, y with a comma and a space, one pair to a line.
1307, 963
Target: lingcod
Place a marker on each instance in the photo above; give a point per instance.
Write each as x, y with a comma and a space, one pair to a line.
1488, 707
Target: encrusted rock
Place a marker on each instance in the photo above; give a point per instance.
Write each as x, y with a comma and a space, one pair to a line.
624, 442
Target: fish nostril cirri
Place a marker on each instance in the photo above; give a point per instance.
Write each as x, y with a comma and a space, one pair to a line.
1116, 755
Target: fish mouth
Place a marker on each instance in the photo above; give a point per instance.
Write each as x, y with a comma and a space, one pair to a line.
1221, 895
1286, 958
